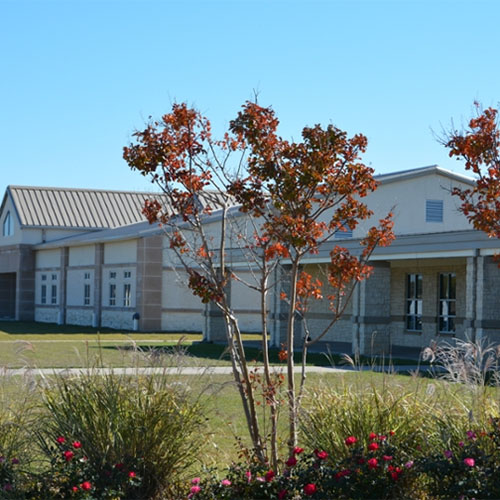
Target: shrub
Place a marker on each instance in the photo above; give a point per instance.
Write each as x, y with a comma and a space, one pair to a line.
143, 422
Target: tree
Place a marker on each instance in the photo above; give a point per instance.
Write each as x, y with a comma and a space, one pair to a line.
274, 202
478, 146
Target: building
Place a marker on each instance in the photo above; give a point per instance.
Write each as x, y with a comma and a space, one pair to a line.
87, 257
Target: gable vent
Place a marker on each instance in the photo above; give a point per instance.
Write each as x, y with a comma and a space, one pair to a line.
434, 211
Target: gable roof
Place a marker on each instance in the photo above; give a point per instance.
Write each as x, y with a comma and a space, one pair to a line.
421, 171
76, 208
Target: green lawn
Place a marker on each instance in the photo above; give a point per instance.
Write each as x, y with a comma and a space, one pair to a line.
44, 345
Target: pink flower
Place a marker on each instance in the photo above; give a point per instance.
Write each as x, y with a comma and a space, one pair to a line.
373, 446
61, 440
225, 482
448, 453
15, 461
131, 474
248, 474
195, 480
77, 444
461, 444
86, 486
470, 462
409, 464
471, 435
349, 441
269, 475
297, 450
310, 489
387, 458
195, 489
291, 462
74, 489
68, 455
282, 494
373, 463
322, 455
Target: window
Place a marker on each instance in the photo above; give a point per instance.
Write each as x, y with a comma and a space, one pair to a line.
86, 294
8, 228
44, 277
43, 299
112, 294
127, 274
434, 211
447, 302
414, 287
112, 275
53, 294
344, 232
86, 276
54, 277
126, 294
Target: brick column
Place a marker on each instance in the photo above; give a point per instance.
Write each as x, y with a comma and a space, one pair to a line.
63, 268
98, 262
149, 282
374, 308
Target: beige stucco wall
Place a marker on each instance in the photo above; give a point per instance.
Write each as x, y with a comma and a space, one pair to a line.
120, 252
48, 258
181, 310
75, 286
119, 280
82, 256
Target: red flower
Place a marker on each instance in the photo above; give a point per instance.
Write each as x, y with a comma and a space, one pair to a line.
68, 455
373, 446
373, 463
61, 440
322, 455
391, 433
291, 462
350, 440
282, 494
387, 458
297, 450
131, 474
86, 486
269, 475
119, 466
195, 489
310, 489
77, 444
372, 436
74, 489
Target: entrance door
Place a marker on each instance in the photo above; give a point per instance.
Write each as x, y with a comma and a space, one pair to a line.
7, 295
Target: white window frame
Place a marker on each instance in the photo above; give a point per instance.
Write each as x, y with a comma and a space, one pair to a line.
414, 302
86, 294
447, 306
112, 294
127, 295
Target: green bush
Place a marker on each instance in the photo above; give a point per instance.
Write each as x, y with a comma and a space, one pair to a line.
145, 423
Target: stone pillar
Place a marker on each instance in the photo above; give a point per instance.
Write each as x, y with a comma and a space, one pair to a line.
281, 310
149, 282
63, 271
25, 284
98, 263
375, 311
474, 276
216, 325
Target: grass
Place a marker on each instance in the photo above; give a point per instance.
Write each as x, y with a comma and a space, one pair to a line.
47, 345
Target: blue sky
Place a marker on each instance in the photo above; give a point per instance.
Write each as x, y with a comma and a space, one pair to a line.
78, 77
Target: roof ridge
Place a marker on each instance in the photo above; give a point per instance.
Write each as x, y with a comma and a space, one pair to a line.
100, 190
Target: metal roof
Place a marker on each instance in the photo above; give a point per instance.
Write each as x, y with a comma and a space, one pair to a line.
77, 208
